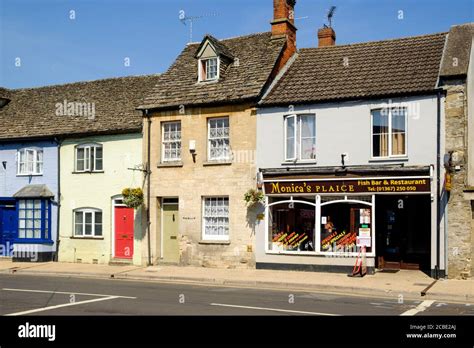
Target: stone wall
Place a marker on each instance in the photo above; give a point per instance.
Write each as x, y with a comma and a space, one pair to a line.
195, 178
460, 233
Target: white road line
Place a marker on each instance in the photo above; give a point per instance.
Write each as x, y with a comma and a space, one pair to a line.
272, 309
420, 308
66, 293
63, 305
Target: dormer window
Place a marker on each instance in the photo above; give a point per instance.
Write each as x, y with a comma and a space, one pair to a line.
213, 59
209, 69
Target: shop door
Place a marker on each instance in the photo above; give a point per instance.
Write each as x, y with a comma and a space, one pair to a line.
403, 232
8, 227
170, 233
124, 226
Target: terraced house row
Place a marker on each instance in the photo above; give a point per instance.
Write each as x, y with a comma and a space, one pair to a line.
336, 148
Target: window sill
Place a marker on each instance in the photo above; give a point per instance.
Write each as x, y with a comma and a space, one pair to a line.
26, 175
299, 163
217, 163
87, 238
32, 241
214, 242
93, 172
389, 159
177, 164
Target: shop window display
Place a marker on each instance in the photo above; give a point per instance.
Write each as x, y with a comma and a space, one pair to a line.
292, 227
345, 227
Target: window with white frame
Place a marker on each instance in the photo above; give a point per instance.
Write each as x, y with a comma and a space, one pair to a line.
34, 219
300, 137
89, 158
209, 69
215, 218
30, 162
88, 222
219, 139
171, 141
389, 132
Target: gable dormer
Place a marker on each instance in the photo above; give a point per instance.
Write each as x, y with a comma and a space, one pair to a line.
213, 59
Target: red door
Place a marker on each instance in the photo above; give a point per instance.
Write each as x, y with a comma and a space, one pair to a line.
124, 221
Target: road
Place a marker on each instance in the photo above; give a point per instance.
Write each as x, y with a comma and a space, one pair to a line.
35, 295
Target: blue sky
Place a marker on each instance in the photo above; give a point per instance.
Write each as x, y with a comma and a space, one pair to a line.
53, 48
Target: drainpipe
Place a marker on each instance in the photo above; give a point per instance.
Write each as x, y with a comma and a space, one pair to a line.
438, 184
58, 143
148, 189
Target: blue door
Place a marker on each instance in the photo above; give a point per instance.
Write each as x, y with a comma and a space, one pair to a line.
8, 227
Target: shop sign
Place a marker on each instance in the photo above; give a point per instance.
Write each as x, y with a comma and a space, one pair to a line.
394, 185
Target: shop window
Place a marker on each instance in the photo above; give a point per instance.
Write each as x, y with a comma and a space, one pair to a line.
389, 132
345, 227
292, 226
300, 137
34, 219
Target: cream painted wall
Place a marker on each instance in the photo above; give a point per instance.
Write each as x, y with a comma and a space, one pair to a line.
96, 191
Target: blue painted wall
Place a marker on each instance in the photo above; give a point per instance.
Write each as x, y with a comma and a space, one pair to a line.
10, 182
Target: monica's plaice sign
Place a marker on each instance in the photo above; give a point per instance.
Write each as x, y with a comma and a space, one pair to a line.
383, 185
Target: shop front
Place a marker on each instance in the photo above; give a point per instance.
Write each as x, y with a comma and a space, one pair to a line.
318, 221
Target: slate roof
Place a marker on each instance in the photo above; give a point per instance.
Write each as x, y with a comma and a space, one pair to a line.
257, 55
32, 111
458, 46
373, 69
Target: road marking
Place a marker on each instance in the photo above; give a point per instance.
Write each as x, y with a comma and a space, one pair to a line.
272, 309
420, 308
67, 293
63, 305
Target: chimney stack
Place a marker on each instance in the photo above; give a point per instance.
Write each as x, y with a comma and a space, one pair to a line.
283, 26
326, 37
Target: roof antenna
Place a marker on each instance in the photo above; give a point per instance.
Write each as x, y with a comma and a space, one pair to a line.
190, 19
330, 15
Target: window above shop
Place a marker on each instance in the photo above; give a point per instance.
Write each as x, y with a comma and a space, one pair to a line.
389, 133
300, 138
30, 161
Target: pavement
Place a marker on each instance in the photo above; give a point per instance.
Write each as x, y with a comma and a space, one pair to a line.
401, 285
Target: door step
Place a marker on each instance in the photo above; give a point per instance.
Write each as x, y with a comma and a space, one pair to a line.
121, 262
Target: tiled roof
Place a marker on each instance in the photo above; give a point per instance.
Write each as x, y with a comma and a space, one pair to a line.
220, 48
381, 68
32, 112
458, 49
256, 55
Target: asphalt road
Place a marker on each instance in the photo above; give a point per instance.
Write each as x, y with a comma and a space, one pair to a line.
33, 295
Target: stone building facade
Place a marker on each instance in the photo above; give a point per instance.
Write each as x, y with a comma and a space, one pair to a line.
456, 78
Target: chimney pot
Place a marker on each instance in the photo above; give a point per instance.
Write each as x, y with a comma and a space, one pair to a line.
326, 37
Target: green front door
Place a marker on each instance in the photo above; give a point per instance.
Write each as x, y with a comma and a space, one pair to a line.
170, 233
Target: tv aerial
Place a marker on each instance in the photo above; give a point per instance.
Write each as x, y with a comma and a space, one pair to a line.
330, 15
185, 19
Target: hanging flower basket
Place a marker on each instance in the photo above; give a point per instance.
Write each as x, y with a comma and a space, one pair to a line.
133, 197
253, 197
